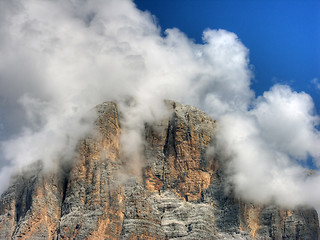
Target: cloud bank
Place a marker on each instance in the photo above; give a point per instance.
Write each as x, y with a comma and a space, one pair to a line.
265, 146
61, 58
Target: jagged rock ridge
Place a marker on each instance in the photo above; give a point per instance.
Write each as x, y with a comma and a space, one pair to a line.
180, 195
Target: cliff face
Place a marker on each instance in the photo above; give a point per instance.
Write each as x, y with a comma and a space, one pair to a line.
180, 194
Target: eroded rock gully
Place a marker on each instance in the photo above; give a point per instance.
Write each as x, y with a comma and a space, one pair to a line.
179, 196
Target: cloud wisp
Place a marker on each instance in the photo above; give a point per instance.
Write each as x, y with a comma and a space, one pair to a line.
315, 83
61, 58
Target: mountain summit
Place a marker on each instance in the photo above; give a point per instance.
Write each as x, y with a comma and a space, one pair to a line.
180, 192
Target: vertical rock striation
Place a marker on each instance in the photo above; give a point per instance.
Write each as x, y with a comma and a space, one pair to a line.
181, 194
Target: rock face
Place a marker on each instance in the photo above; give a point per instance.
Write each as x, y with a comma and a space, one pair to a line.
180, 194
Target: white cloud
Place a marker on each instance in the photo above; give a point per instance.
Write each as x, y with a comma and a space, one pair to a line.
262, 148
61, 58
288, 122
316, 83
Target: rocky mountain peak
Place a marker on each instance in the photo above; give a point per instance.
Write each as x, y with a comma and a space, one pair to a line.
180, 195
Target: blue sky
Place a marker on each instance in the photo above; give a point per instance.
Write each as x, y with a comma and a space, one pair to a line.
283, 36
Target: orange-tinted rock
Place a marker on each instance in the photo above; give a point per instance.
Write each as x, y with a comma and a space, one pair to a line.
181, 194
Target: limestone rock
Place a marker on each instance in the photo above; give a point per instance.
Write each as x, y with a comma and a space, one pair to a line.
181, 193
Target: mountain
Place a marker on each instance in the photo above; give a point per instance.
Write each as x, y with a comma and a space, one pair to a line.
179, 195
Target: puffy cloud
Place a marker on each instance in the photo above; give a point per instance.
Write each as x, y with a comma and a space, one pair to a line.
61, 58
288, 122
263, 147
